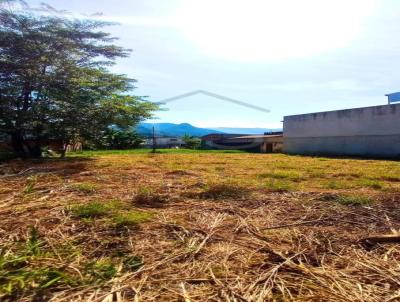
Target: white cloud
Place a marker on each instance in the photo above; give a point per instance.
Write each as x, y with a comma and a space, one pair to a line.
138, 20
270, 30
341, 84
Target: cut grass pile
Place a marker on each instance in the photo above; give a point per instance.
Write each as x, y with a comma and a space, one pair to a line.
198, 226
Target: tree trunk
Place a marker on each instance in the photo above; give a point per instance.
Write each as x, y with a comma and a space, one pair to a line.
17, 143
35, 151
23, 149
64, 150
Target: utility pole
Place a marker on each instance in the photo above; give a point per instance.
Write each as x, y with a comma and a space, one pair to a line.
154, 141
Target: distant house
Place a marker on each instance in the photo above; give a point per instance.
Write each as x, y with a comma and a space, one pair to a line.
393, 97
164, 142
254, 143
268, 143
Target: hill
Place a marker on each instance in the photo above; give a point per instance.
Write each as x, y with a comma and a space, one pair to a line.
170, 129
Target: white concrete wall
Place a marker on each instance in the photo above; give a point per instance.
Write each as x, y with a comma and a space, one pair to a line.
369, 131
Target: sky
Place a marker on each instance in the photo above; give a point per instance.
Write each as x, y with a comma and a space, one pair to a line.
287, 56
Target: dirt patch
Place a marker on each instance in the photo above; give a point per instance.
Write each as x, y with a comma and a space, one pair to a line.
180, 173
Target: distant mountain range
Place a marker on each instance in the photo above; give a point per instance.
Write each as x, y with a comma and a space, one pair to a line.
170, 129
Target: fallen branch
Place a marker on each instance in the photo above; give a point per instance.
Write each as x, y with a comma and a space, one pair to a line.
373, 240
294, 224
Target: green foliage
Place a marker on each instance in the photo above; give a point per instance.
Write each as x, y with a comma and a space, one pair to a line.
113, 212
17, 276
30, 184
336, 185
118, 139
27, 269
101, 270
279, 185
32, 267
133, 262
131, 218
191, 142
33, 243
54, 83
353, 200
370, 183
90, 210
84, 187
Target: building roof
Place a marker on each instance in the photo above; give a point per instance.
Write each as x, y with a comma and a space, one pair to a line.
258, 136
393, 97
213, 136
393, 93
378, 107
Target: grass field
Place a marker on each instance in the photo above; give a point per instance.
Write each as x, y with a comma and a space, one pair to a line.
181, 225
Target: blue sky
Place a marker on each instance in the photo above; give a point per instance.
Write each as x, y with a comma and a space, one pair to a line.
288, 56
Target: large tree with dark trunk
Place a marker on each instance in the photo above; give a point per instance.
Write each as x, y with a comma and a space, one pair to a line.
54, 82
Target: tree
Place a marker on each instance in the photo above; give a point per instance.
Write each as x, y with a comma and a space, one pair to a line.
54, 83
119, 139
191, 142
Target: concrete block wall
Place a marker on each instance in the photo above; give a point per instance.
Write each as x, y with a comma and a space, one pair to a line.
369, 131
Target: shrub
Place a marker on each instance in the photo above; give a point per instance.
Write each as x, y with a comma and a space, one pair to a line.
191, 142
118, 139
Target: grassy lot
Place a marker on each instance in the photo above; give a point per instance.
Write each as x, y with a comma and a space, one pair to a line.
146, 151
181, 225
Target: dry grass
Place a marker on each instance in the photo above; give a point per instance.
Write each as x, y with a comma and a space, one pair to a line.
198, 227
